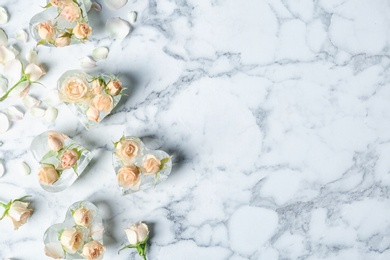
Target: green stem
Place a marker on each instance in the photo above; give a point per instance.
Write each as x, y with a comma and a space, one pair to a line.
3, 205
23, 79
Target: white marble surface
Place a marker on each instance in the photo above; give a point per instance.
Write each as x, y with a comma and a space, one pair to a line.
277, 112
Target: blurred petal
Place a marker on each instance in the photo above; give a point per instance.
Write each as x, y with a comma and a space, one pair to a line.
100, 53
34, 72
3, 15
32, 57
30, 101
96, 6
117, 28
52, 98
21, 35
14, 113
3, 38
37, 112
4, 123
87, 62
50, 114
24, 168
115, 4
132, 17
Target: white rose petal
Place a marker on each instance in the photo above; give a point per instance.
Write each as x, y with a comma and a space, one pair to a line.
32, 57
52, 98
132, 17
100, 53
14, 113
30, 101
117, 28
4, 123
3, 15
6, 55
3, 38
34, 72
2, 170
21, 90
13, 70
3, 85
97, 231
37, 112
21, 35
115, 4
50, 114
24, 168
96, 6
88, 5
54, 250
87, 62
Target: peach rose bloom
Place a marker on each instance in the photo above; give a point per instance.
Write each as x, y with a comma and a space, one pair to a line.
74, 89
150, 165
48, 175
19, 213
46, 30
71, 240
60, 3
82, 31
93, 114
97, 88
127, 150
68, 159
128, 177
114, 87
62, 40
71, 12
82, 216
103, 102
56, 140
93, 250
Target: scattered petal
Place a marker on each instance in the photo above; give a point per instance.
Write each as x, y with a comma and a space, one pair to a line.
132, 17
6, 55
21, 35
52, 98
3, 38
4, 123
24, 168
34, 72
87, 62
96, 6
115, 4
3, 85
3, 15
88, 5
2, 170
23, 89
13, 70
100, 53
13, 50
32, 57
50, 114
37, 112
54, 250
30, 101
117, 28
14, 113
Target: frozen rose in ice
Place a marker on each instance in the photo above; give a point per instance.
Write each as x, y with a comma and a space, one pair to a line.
46, 30
97, 88
48, 175
128, 177
114, 87
72, 240
103, 102
62, 40
71, 12
73, 89
19, 213
93, 250
60, 3
54, 250
150, 165
56, 140
83, 216
93, 114
68, 159
82, 31
127, 150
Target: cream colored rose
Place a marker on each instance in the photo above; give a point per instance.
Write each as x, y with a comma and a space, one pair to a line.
46, 30
137, 233
127, 150
72, 240
54, 250
73, 89
97, 88
103, 102
71, 12
128, 177
93, 114
56, 140
150, 165
82, 31
48, 175
93, 250
83, 216
68, 159
19, 213
62, 40
34, 72
60, 3
114, 87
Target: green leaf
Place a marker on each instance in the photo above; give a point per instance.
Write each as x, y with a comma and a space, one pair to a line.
165, 160
49, 154
74, 167
22, 198
41, 42
125, 247
47, 6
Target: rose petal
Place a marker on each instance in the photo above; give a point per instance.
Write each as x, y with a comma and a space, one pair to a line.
21, 90
21, 35
14, 113
6, 55
34, 72
54, 250
37, 112
13, 70
24, 168
97, 231
30, 101
117, 28
115, 4
2, 169
32, 57
3, 15
52, 98
100, 53
88, 5
3, 85
50, 114
4, 123
87, 62
96, 6
132, 17
3, 38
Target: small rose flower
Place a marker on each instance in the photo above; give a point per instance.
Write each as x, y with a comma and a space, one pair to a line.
46, 30
93, 250
56, 140
138, 235
93, 114
97, 88
71, 12
128, 177
72, 240
83, 216
73, 89
19, 213
82, 31
68, 159
62, 40
48, 175
127, 150
54, 250
114, 87
150, 165
103, 102
34, 72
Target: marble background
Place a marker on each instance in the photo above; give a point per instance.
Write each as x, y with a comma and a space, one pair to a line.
277, 113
